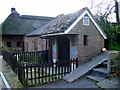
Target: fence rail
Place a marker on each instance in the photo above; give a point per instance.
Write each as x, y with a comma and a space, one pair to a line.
28, 57
33, 68
32, 57
46, 72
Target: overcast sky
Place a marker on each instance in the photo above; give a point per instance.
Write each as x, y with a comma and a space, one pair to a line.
41, 7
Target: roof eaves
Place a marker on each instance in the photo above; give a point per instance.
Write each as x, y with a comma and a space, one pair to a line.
75, 22
98, 27
54, 34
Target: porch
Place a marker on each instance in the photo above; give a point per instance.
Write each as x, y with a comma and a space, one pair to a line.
63, 47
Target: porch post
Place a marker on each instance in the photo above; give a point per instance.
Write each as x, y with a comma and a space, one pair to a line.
46, 43
51, 56
76, 62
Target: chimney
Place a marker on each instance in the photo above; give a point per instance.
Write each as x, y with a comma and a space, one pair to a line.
12, 10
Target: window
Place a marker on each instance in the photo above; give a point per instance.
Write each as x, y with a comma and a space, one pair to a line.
86, 20
19, 44
85, 39
9, 44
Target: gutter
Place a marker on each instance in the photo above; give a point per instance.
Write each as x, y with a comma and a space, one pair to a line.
53, 34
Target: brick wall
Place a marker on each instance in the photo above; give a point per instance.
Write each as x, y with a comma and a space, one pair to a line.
13, 39
0, 44
35, 44
95, 41
73, 46
40, 43
54, 49
0, 39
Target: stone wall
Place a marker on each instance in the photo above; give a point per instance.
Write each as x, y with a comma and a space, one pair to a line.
114, 62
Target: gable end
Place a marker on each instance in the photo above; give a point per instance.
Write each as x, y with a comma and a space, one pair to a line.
80, 17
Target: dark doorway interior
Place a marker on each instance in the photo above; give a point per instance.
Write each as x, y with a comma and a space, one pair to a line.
63, 48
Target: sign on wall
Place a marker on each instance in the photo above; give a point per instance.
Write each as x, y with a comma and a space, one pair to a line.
73, 52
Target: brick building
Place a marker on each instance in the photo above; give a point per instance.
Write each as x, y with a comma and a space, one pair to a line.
0, 39
74, 35
15, 28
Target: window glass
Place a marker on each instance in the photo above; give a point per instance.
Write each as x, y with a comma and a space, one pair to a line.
19, 44
86, 20
85, 39
9, 44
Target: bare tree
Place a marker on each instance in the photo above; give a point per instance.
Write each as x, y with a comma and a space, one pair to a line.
103, 11
105, 8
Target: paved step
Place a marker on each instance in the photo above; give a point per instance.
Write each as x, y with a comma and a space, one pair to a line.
96, 78
104, 64
100, 72
108, 84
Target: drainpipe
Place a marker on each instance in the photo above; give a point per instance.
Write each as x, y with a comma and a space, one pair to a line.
117, 11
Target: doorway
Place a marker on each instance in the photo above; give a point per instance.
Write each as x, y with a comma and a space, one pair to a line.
63, 48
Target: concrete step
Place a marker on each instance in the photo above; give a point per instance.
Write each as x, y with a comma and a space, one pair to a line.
104, 64
100, 72
96, 78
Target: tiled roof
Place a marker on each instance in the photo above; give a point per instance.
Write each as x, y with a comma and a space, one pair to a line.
57, 25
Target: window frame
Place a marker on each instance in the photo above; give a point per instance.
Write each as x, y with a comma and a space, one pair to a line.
88, 20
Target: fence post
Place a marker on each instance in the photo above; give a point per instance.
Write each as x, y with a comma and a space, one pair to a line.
14, 63
46, 56
21, 73
76, 62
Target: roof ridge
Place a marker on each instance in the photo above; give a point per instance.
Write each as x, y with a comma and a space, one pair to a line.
35, 17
